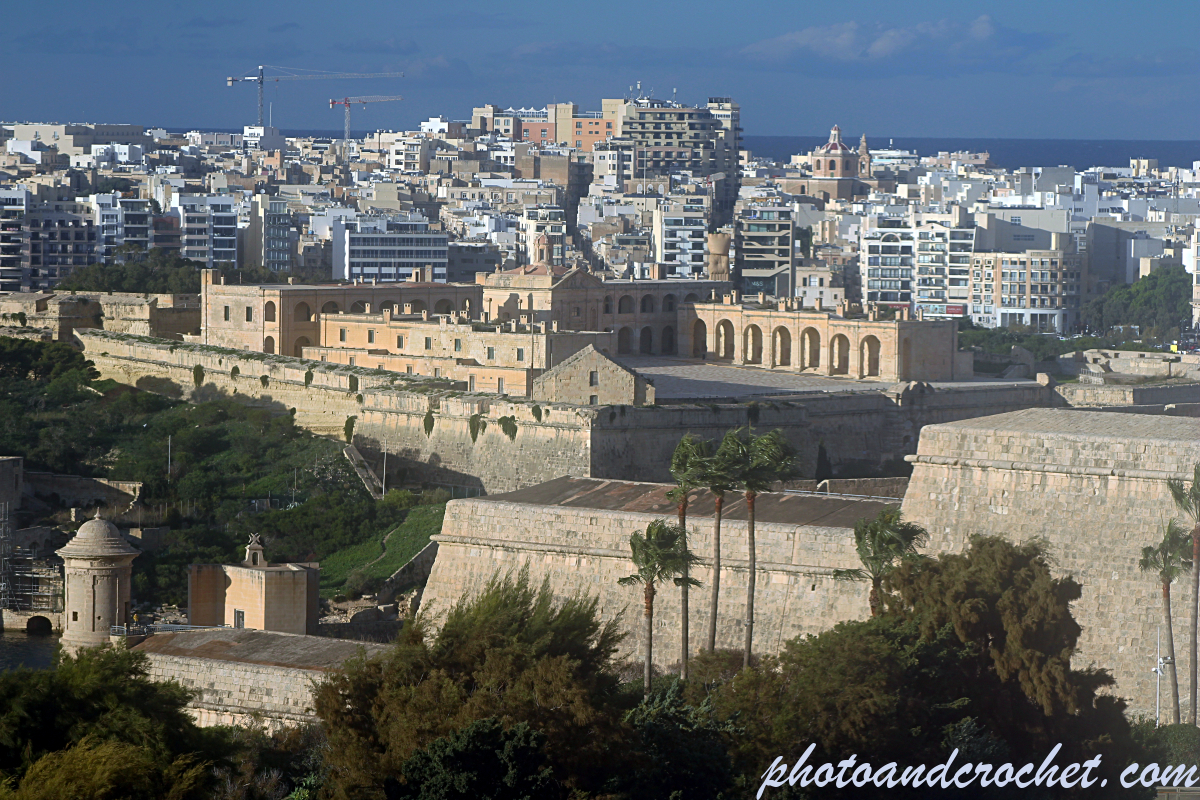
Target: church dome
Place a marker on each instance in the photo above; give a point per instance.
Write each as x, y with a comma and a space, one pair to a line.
835, 143
97, 537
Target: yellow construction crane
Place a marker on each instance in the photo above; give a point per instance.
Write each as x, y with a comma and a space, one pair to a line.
260, 79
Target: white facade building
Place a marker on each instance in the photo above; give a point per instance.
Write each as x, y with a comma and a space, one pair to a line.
387, 248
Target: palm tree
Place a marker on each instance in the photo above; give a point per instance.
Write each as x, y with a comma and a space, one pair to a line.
1168, 559
687, 468
660, 555
753, 464
717, 481
883, 544
1187, 500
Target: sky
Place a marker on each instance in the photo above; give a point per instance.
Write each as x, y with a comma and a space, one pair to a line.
1020, 69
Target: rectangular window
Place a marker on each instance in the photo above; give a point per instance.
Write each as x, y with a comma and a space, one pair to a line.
594, 400
352, 361
520, 354
593, 378
249, 314
458, 345
428, 343
239, 618
370, 337
499, 385
470, 383
491, 354
399, 342
341, 334
437, 373
408, 369
227, 313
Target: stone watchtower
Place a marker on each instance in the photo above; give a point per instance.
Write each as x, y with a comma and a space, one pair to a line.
96, 573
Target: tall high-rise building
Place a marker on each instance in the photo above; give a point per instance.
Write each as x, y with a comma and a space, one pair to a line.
672, 138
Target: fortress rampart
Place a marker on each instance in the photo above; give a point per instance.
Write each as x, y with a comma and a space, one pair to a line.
444, 435
1092, 485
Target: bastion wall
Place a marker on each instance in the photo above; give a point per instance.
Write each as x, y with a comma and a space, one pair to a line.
1092, 485
585, 550
444, 435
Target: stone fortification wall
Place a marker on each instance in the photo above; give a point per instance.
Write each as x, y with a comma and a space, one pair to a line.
75, 490
230, 692
441, 435
1085, 395
863, 429
587, 550
1093, 486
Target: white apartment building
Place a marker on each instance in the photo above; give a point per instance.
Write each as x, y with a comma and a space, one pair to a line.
406, 152
920, 261
208, 227
680, 235
387, 248
120, 221
262, 137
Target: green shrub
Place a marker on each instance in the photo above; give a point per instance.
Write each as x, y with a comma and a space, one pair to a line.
428, 423
537, 413
264, 380
198, 375
477, 425
308, 378
400, 498
348, 430
434, 497
509, 426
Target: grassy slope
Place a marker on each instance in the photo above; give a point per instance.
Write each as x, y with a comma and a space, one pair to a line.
406, 541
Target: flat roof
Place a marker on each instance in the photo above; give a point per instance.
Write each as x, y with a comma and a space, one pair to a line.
1089, 424
783, 508
268, 648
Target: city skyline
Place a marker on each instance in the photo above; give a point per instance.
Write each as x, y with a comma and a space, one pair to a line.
1028, 71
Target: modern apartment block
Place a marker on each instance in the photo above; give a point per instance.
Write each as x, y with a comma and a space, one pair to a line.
701, 140
681, 235
388, 248
55, 242
14, 203
272, 236
120, 221
406, 152
764, 241
1043, 289
209, 226
920, 261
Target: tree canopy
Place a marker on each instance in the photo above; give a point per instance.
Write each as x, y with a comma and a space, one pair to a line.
155, 271
1161, 300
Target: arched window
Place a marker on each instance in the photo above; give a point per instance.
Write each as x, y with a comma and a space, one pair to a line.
832, 166
625, 305
359, 307
608, 305
330, 308
269, 311
669, 303
303, 313
647, 304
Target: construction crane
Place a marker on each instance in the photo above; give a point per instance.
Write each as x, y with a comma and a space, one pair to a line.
260, 79
349, 101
